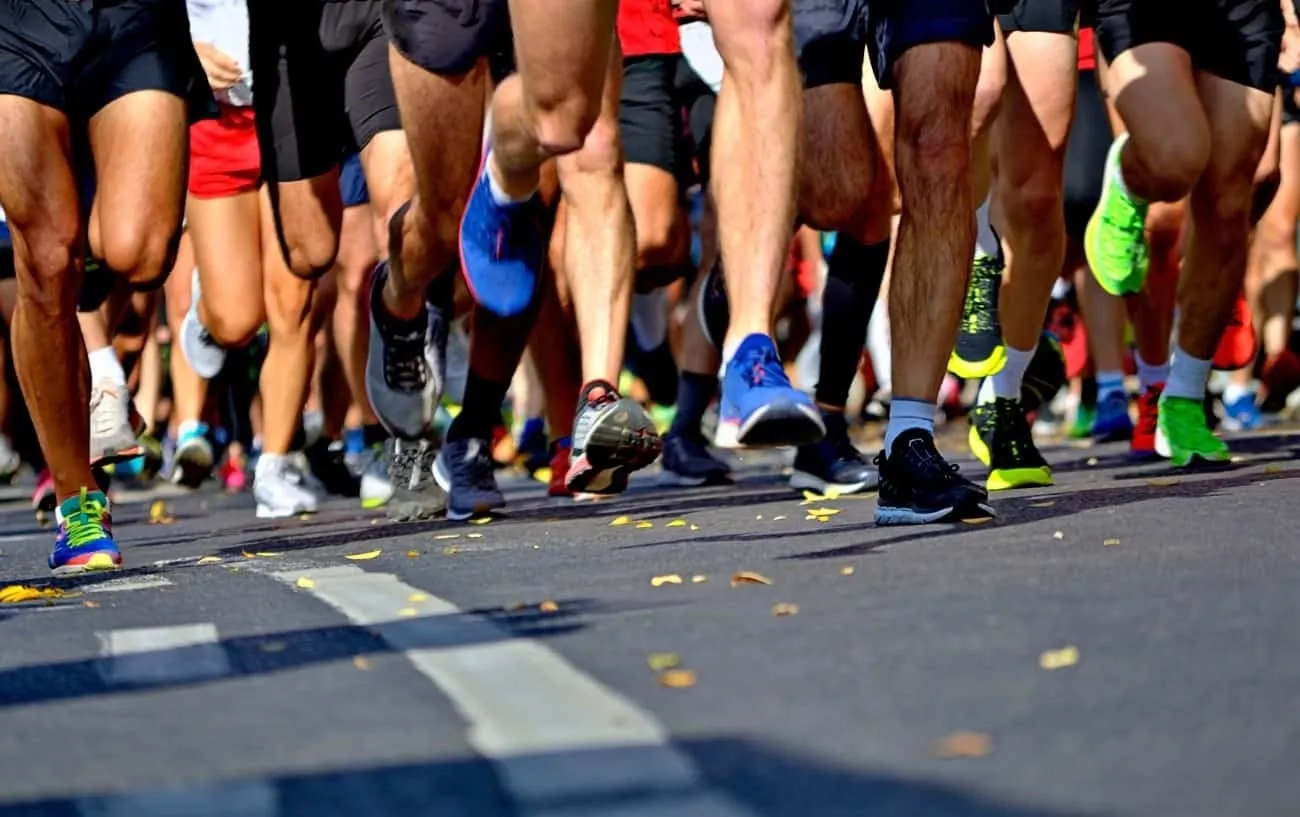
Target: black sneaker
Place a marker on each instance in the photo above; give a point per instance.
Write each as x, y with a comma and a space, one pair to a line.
713, 310
612, 437
834, 465
416, 494
979, 351
406, 365
918, 486
328, 463
1001, 439
687, 462
1045, 375
466, 471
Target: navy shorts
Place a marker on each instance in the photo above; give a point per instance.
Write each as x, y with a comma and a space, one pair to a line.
352, 182
833, 36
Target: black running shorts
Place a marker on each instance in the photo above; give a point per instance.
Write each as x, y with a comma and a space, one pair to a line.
650, 115
832, 36
78, 56
322, 85
451, 36
1085, 155
1237, 40
1047, 16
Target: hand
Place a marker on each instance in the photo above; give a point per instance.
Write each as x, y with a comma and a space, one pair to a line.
223, 72
690, 9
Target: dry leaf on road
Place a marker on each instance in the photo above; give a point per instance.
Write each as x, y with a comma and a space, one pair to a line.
17, 593
363, 557
677, 678
747, 577
360, 663
158, 514
1110, 542
660, 661
620, 521
549, 606
305, 583
670, 578
1164, 482
699, 578
846, 571
643, 525
785, 609
963, 744
209, 560
1059, 659
677, 523
1058, 535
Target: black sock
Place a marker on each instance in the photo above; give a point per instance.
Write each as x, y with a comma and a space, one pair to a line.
852, 286
374, 434
694, 395
441, 290
480, 412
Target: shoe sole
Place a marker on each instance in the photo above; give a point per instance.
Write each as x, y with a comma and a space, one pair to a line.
265, 512
975, 369
889, 517
776, 425
612, 453
805, 481
100, 562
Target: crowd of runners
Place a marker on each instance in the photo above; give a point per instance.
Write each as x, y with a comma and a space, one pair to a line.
379, 248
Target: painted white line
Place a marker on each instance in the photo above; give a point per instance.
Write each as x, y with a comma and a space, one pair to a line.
128, 583
246, 799
162, 655
563, 743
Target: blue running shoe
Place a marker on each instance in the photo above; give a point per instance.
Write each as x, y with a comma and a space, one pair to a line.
1112, 422
85, 540
1242, 414
759, 407
502, 247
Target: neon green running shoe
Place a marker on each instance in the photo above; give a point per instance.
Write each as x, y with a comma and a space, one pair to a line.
1115, 240
979, 351
1184, 436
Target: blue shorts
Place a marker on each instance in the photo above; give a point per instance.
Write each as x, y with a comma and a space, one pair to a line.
832, 36
352, 182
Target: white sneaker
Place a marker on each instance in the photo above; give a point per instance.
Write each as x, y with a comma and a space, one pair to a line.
112, 437
279, 489
10, 462
376, 487
205, 355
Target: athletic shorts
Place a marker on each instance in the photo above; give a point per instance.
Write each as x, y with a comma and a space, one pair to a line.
451, 36
77, 57
832, 36
1236, 40
225, 159
323, 89
650, 116
1048, 16
352, 182
1085, 155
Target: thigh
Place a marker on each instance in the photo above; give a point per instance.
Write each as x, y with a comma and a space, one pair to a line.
37, 189
369, 98
563, 48
842, 164
896, 27
1239, 119
1037, 107
227, 237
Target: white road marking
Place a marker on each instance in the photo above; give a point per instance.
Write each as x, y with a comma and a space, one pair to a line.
128, 583
564, 744
246, 799
162, 655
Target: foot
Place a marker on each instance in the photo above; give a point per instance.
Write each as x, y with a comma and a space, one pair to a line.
612, 437
465, 470
1183, 435
10, 461
918, 486
85, 538
201, 350
193, 460
1238, 345
1000, 438
1242, 414
1045, 375
759, 407
112, 436
1143, 444
979, 351
1112, 422
406, 364
1115, 239
687, 462
376, 485
328, 464
416, 496
502, 247
834, 465
560, 460
280, 489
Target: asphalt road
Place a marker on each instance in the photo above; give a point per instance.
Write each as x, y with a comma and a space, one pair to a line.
248, 669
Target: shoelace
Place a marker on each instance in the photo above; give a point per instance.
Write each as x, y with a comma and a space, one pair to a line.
924, 462
477, 466
1133, 249
87, 524
1148, 413
764, 367
404, 367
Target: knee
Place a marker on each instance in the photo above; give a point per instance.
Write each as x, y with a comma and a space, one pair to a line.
288, 305
934, 148
309, 256
835, 206
52, 252
1223, 202
1179, 161
657, 240
143, 257
564, 122
233, 331
1033, 201
601, 149
751, 35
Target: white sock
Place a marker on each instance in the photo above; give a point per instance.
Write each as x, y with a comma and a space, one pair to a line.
1187, 375
905, 415
268, 464
1109, 383
987, 244
1151, 374
1006, 383
1234, 392
104, 365
499, 195
1118, 175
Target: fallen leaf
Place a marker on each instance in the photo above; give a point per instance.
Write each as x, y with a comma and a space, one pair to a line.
963, 744
450, 551
246, 554
303, 517
412, 554
1059, 659
1110, 542
272, 646
408, 612
644, 525
1272, 468
699, 578
374, 521
91, 603
1164, 482
677, 523
823, 511
846, 571
979, 520
209, 560
305, 583
416, 598
660, 661
760, 516
670, 578
677, 678
549, 606
482, 520
695, 527
360, 663
363, 557
1093, 461
746, 577
480, 536
158, 513
620, 521
1046, 503
267, 554
445, 536
17, 593
785, 609
778, 518
1058, 535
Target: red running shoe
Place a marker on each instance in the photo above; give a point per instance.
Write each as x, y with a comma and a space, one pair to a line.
1238, 346
1143, 443
559, 472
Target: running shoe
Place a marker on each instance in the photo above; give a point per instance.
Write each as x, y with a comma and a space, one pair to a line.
85, 538
834, 465
1242, 414
918, 486
10, 461
502, 247
612, 437
1115, 240
1000, 437
201, 350
1143, 444
712, 307
557, 485
233, 473
1183, 435
416, 495
44, 498
376, 484
1280, 375
1238, 345
1112, 422
193, 459
759, 407
112, 434
1045, 375
406, 366
327, 461
465, 471
280, 489
979, 351
688, 463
